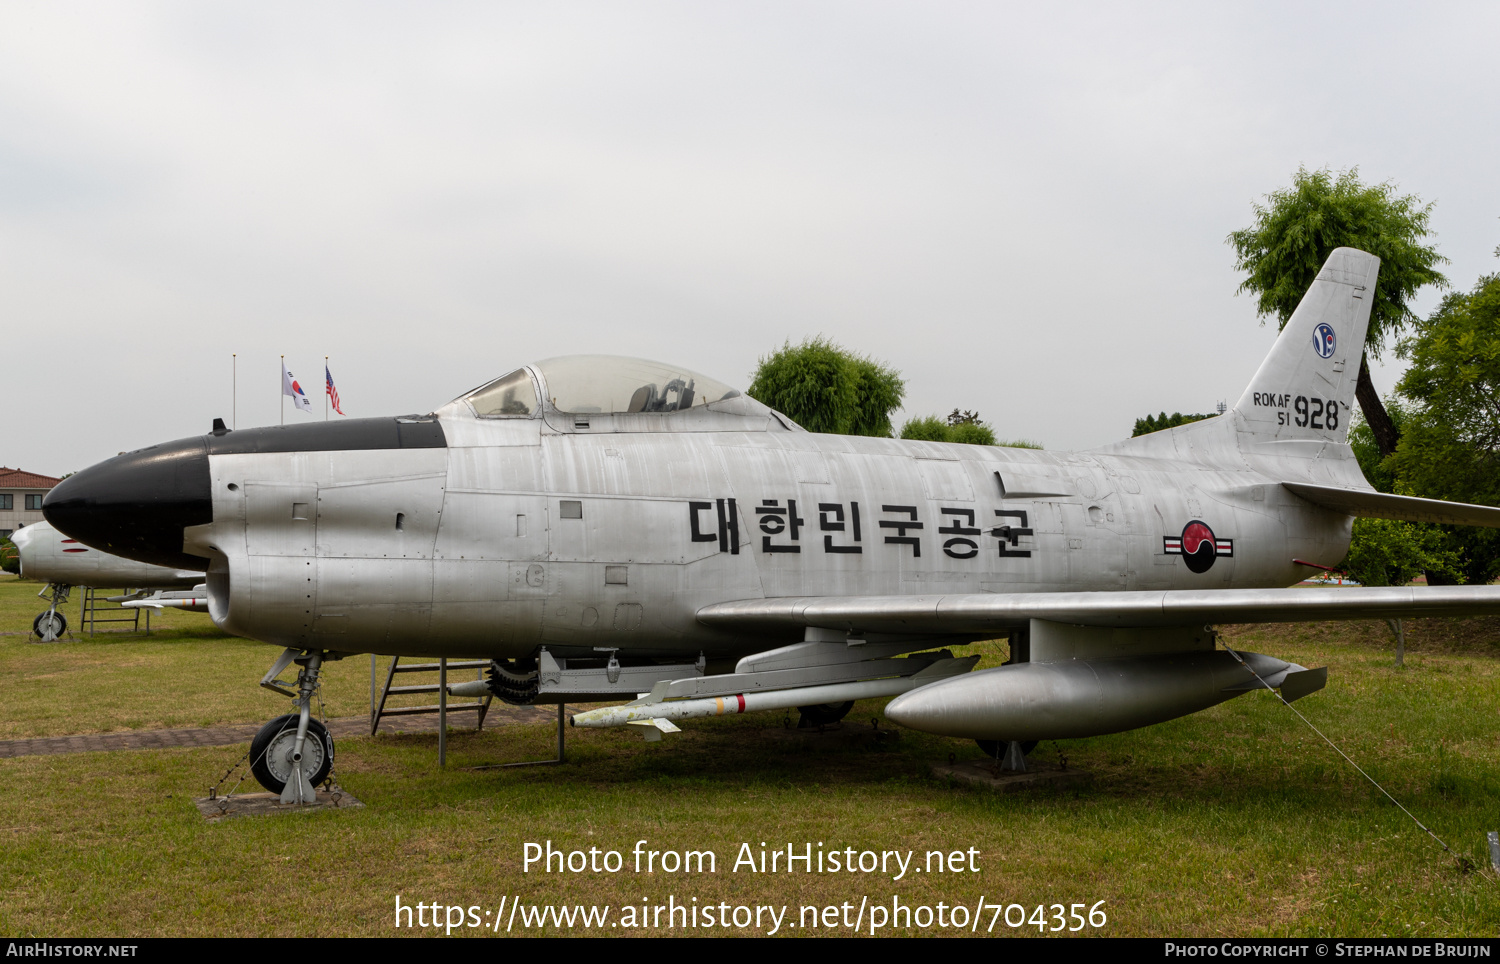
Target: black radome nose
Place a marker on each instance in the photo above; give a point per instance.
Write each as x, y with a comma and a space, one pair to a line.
136, 505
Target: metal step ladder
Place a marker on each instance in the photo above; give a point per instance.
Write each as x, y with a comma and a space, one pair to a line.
95, 602
445, 704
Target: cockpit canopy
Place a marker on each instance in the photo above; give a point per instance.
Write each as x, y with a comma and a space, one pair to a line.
601, 386
608, 385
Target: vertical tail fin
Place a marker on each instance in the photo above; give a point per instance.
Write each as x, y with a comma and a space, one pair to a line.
1304, 389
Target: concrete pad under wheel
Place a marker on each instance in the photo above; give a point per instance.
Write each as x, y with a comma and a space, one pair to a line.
987, 774
262, 804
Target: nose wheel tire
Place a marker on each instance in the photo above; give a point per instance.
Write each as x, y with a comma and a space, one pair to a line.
271, 753
49, 625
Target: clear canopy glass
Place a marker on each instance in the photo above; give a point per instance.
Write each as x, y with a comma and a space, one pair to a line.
513, 394
607, 384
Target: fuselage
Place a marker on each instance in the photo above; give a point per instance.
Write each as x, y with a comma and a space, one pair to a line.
519, 533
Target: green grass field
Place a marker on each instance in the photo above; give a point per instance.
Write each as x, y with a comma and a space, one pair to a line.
1235, 821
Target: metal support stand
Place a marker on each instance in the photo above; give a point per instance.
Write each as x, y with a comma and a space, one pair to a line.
93, 603
562, 722
1014, 758
379, 710
1399, 629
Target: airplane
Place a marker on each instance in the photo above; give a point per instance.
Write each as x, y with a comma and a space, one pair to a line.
606, 528
64, 563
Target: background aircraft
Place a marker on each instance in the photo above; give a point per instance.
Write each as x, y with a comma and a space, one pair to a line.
614, 528
64, 563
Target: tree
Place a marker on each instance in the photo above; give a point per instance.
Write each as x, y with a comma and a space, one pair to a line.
1296, 230
965, 427
1450, 441
929, 428
1375, 467
827, 389
1149, 424
1388, 553
1385, 552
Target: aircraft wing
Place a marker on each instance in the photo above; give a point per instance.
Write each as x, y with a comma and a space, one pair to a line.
997, 612
1406, 508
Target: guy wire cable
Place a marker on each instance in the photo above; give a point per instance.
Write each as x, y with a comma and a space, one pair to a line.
1341, 753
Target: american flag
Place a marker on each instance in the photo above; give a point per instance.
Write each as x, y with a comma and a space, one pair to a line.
333, 393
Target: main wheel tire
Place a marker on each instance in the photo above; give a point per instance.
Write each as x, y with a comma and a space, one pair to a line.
50, 625
995, 749
271, 752
823, 714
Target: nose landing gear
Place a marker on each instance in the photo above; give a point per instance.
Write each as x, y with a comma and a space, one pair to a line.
292, 754
50, 625
272, 749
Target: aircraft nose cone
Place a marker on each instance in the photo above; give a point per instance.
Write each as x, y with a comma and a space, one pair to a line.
136, 505
21, 539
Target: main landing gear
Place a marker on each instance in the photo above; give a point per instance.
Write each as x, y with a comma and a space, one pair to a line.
292, 754
822, 714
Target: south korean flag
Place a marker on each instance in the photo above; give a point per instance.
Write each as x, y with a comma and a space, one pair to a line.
290, 387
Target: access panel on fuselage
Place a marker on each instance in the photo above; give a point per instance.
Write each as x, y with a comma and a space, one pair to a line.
634, 499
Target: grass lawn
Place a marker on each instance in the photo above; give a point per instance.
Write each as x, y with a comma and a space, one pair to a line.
1235, 821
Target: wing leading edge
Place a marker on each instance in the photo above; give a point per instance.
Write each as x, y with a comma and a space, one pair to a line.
987, 612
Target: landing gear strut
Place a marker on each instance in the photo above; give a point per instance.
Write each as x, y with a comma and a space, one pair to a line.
292, 754
50, 625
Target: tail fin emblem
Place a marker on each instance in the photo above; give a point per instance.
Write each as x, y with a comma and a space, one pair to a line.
1324, 341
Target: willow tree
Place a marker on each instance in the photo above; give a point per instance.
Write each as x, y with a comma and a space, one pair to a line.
828, 389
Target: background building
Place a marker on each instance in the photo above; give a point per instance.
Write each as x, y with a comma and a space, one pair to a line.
21, 498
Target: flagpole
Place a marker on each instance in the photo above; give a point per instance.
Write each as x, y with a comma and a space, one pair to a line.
282, 377
325, 388
234, 381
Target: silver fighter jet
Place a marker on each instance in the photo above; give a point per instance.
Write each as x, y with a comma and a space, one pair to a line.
64, 563
609, 528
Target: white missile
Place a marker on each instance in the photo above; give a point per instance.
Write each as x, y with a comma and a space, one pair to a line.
195, 600
639, 712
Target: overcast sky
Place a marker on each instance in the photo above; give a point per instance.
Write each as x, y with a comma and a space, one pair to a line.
1022, 208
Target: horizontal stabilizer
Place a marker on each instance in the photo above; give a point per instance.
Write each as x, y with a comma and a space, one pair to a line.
973, 613
1406, 508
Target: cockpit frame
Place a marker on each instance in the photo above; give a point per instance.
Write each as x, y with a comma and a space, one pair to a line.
596, 394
